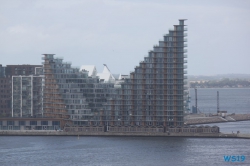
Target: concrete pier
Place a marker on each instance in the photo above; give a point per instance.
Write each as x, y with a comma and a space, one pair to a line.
202, 119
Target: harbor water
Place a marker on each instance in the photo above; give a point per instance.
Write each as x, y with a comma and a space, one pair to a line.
116, 151
232, 100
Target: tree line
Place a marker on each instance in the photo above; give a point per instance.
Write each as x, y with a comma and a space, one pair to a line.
224, 83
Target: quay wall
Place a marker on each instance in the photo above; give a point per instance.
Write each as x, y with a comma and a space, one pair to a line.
78, 134
217, 119
62, 133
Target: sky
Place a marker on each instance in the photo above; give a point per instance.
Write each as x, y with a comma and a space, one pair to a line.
120, 33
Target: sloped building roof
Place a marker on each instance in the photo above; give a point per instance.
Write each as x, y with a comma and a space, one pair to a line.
91, 68
106, 75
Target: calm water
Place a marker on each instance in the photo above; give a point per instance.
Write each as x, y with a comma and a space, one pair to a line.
243, 127
125, 151
129, 151
232, 100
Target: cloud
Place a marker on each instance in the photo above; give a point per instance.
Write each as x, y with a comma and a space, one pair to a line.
121, 32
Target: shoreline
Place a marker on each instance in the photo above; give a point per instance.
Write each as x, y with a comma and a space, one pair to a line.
219, 88
200, 119
215, 122
122, 134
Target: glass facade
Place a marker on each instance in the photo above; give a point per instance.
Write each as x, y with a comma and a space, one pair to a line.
27, 96
24, 124
72, 95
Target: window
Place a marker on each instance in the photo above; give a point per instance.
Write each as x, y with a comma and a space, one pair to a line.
179, 28
33, 123
45, 123
54, 123
21, 123
10, 123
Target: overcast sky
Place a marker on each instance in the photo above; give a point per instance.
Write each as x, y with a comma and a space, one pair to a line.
120, 33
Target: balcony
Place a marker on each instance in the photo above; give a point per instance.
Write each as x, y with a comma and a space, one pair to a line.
44, 63
59, 57
182, 35
66, 63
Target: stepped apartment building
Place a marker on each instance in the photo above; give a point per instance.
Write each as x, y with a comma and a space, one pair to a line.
154, 95
150, 99
75, 95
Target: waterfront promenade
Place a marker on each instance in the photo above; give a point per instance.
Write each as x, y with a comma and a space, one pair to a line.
203, 119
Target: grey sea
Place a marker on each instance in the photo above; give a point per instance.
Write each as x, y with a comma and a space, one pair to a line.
129, 151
